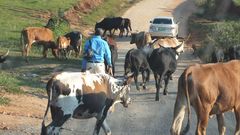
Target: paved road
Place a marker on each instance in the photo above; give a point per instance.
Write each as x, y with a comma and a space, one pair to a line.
145, 116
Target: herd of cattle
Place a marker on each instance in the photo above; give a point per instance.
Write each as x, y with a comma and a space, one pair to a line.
210, 89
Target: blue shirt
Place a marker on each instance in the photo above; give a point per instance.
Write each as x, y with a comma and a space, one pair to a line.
100, 49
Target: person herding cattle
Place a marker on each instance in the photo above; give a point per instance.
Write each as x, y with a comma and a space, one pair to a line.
100, 50
210, 89
82, 95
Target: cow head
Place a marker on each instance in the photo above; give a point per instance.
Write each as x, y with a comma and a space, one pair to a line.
179, 49
124, 86
133, 38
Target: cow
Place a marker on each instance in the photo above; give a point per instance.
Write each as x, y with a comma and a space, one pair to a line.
136, 60
3, 57
40, 35
217, 55
126, 25
140, 39
109, 24
163, 63
114, 51
82, 95
234, 52
76, 38
210, 89
63, 45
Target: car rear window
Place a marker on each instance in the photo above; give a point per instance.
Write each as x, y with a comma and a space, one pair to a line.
162, 21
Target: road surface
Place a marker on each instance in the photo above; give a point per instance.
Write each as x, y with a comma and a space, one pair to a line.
145, 116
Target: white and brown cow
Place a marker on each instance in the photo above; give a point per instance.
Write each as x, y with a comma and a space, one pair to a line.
82, 95
210, 89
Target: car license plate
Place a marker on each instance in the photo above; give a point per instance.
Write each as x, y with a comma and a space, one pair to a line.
161, 29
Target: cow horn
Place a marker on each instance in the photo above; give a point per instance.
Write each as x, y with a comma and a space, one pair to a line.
5, 55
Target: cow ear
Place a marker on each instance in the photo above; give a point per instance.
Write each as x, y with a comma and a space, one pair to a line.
129, 78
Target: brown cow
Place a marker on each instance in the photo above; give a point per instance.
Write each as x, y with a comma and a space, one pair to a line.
210, 89
63, 45
40, 35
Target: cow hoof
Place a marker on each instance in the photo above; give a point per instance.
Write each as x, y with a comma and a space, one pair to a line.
144, 87
165, 93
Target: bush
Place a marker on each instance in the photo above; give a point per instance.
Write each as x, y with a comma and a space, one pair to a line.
225, 34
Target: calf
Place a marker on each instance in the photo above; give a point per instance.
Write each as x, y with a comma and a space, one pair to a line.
82, 95
75, 42
136, 61
63, 45
210, 89
163, 62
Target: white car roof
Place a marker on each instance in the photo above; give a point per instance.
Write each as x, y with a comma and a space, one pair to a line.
163, 17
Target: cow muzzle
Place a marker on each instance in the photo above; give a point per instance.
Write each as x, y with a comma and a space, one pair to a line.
126, 102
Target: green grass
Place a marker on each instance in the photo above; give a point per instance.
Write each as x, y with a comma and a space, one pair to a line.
18, 14
16, 76
4, 101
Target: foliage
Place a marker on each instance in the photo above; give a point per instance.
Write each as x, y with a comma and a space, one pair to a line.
4, 100
225, 34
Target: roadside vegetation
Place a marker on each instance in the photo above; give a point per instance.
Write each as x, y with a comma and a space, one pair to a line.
17, 77
214, 29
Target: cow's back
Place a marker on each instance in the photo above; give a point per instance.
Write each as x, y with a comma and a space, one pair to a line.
38, 33
216, 83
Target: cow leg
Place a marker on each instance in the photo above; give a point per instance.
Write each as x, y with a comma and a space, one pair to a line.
203, 117
136, 79
165, 92
157, 83
106, 128
237, 115
101, 118
45, 49
144, 80
221, 125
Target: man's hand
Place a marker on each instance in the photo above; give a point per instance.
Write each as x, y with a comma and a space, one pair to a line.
109, 70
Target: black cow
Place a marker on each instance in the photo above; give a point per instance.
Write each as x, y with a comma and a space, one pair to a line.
76, 41
114, 51
234, 52
218, 55
126, 25
109, 24
163, 62
3, 57
136, 61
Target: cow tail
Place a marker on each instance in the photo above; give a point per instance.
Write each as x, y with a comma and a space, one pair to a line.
48, 105
187, 73
129, 25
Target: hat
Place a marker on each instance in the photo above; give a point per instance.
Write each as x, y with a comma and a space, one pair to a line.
98, 32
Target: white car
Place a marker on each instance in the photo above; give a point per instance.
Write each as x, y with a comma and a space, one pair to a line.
163, 26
